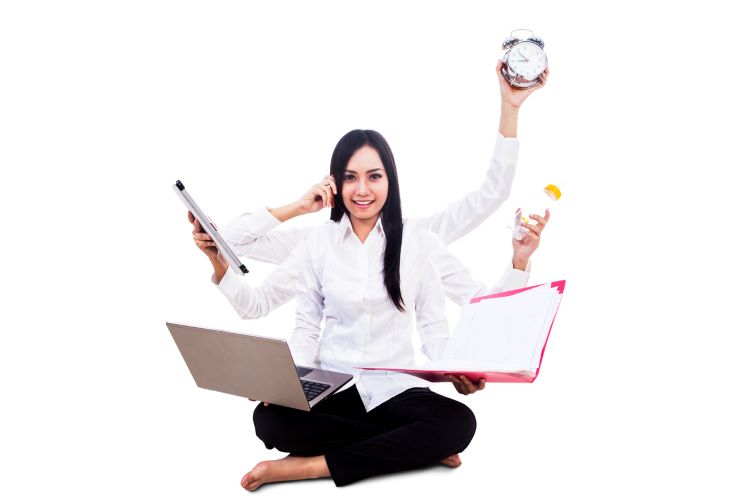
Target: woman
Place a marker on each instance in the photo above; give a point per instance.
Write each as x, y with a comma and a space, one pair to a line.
254, 235
369, 276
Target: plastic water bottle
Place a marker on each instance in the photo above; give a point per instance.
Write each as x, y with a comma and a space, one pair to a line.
545, 199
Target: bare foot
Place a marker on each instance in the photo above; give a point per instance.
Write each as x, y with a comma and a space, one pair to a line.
286, 469
452, 461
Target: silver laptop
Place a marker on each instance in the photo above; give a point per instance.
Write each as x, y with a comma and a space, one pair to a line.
253, 367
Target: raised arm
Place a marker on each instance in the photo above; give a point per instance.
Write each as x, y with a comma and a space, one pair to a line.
251, 235
462, 216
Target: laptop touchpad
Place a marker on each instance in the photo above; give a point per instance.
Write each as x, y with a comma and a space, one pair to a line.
301, 371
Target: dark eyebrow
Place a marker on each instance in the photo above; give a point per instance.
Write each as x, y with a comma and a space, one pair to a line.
369, 171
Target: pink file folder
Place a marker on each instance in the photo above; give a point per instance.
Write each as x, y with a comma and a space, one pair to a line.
523, 376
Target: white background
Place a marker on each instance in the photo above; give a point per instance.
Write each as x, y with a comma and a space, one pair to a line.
104, 104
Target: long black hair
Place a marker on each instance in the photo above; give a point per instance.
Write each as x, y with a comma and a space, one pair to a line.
390, 216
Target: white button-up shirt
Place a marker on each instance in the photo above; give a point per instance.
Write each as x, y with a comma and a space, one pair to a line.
252, 235
388, 331
339, 283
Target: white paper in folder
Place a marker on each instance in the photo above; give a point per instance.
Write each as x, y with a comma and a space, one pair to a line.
508, 331
499, 338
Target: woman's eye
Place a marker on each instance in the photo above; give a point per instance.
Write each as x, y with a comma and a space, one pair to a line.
376, 176
348, 177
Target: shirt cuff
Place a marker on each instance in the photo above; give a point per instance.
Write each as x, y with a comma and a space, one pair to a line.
230, 285
265, 219
515, 278
506, 150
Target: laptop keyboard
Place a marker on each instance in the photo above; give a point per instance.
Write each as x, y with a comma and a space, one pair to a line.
313, 389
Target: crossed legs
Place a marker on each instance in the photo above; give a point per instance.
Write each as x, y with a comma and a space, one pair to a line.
340, 439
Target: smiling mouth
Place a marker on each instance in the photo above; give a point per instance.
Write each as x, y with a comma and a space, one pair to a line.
362, 203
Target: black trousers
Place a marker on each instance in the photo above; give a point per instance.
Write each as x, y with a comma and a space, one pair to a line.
413, 429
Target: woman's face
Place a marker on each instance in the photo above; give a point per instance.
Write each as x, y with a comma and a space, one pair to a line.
365, 185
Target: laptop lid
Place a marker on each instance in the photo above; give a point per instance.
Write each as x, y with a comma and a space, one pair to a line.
250, 366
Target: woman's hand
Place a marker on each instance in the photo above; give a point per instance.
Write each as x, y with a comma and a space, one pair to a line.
522, 249
514, 96
319, 196
204, 241
464, 385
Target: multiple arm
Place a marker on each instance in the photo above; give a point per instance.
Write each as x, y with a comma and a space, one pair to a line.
250, 235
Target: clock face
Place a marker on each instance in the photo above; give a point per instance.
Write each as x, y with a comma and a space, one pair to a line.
527, 60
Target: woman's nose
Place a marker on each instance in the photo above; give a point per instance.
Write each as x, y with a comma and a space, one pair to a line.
362, 188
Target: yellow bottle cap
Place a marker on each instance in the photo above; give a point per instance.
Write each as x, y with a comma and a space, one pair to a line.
553, 190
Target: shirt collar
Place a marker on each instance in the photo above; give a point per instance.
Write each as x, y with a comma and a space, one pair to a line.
345, 227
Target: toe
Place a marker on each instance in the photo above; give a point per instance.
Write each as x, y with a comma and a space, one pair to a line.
247, 479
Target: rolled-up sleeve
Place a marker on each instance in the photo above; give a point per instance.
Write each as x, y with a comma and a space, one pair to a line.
252, 235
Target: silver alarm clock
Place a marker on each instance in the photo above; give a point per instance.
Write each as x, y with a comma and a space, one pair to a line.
524, 60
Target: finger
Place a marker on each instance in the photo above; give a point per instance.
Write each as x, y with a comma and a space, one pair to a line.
544, 76
328, 183
202, 236
533, 228
319, 194
330, 190
205, 244
329, 193
538, 217
481, 384
333, 184
265, 404
326, 197
456, 383
465, 388
470, 385
540, 221
191, 217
